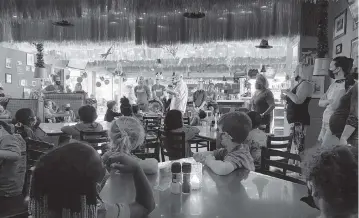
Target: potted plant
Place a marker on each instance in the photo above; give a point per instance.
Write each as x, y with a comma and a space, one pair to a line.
322, 61
40, 70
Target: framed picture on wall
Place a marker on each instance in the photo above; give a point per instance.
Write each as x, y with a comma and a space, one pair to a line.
338, 48
8, 63
318, 86
354, 48
340, 25
23, 82
30, 59
8, 78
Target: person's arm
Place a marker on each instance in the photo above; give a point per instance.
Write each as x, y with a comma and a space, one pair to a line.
148, 92
195, 121
304, 90
9, 155
190, 132
270, 102
149, 166
201, 156
219, 167
324, 101
352, 120
334, 103
9, 148
135, 91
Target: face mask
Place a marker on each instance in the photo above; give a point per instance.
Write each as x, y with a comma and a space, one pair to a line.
67, 109
297, 78
58, 83
332, 73
2, 95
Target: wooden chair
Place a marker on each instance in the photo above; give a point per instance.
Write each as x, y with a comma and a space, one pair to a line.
173, 145
199, 143
99, 140
151, 124
150, 144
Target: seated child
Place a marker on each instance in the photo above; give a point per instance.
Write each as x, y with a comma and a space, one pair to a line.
71, 114
87, 123
233, 129
198, 118
127, 134
26, 123
12, 170
126, 109
256, 139
49, 112
111, 111
4, 114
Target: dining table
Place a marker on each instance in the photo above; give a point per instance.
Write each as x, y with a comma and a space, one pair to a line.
54, 129
241, 194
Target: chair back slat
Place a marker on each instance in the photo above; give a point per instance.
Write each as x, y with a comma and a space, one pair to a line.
97, 139
172, 144
279, 142
150, 149
186, 121
286, 155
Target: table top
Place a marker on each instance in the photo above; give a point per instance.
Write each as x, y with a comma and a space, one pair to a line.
207, 133
239, 194
54, 129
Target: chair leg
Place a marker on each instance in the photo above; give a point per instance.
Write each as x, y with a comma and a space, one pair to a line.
196, 147
162, 155
207, 145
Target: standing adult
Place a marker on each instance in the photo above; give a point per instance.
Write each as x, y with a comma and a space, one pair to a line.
199, 97
56, 87
297, 107
158, 90
143, 94
212, 96
179, 94
263, 101
339, 69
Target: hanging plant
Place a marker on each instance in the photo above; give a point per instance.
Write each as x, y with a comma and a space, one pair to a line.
98, 84
107, 82
322, 31
40, 63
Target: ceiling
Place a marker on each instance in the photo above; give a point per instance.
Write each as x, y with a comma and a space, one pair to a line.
151, 22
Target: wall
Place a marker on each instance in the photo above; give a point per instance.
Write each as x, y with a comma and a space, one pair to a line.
335, 8
18, 72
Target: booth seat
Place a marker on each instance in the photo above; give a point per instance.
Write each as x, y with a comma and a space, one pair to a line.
37, 105
76, 100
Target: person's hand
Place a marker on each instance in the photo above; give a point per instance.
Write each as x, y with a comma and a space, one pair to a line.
209, 158
343, 141
123, 163
199, 157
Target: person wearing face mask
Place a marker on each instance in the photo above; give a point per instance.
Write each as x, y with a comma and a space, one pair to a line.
343, 124
4, 114
71, 117
332, 180
263, 101
179, 93
297, 107
143, 94
233, 129
338, 70
199, 97
56, 87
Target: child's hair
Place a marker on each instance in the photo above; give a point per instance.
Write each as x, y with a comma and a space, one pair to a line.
237, 125
126, 134
111, 104
24, 116
125, 107
87, 114
202, 114
256, 119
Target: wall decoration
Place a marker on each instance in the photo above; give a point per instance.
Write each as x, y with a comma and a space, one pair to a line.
353, 7
8, 78
22, 82
355, 25
318, 86
340, 24
338, 48
98, 84
19, 69
307, 56
33, 83
354, 49
28, 68
30, 59
8, 63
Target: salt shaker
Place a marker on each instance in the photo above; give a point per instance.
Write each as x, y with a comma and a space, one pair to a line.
176, 178
186, 184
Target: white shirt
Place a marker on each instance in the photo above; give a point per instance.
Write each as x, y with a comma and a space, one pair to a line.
179, 102
332, 93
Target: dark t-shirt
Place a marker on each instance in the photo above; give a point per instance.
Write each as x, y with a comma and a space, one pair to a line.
199, 97
158, 89
261, 102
